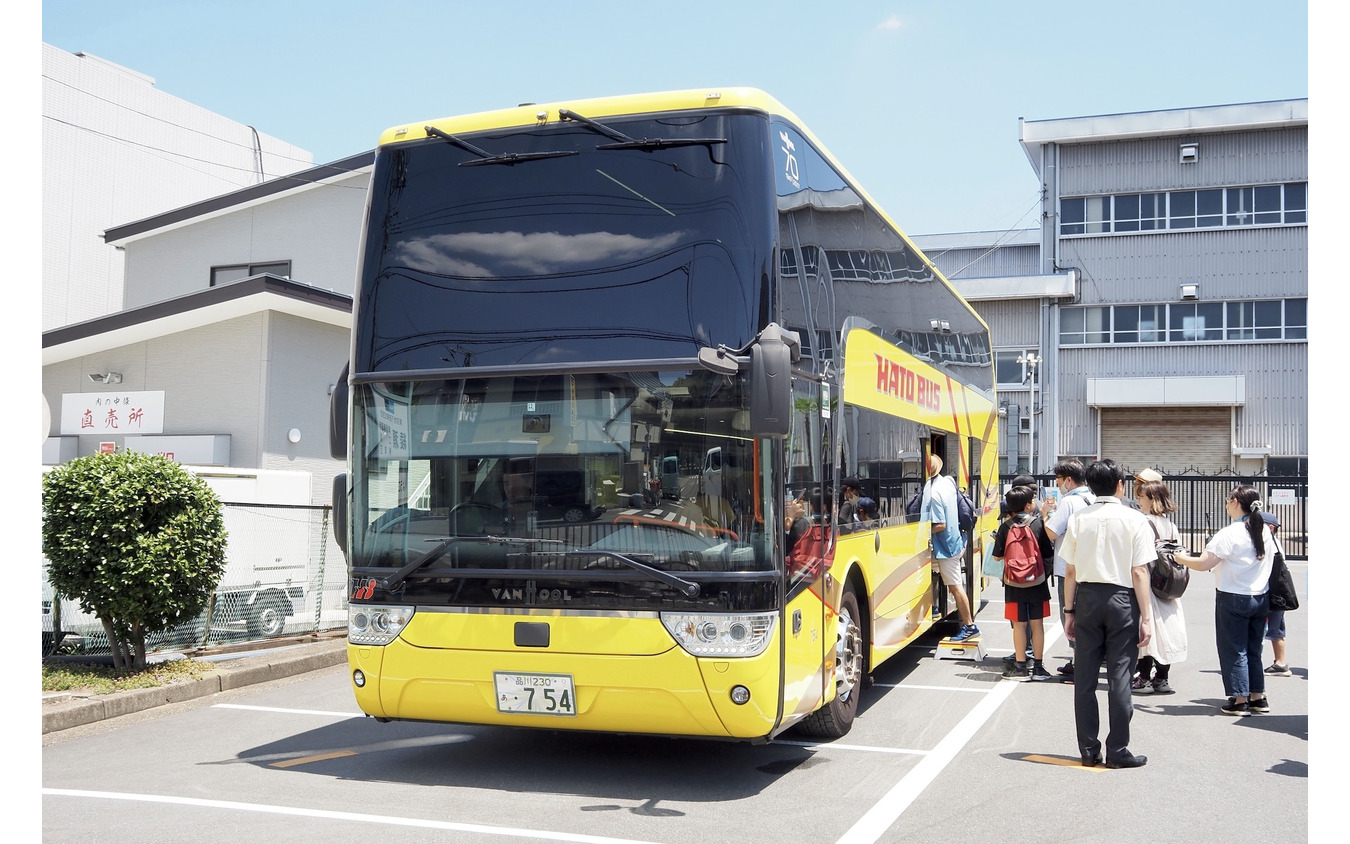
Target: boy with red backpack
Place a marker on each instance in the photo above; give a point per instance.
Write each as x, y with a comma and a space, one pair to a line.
1022, 546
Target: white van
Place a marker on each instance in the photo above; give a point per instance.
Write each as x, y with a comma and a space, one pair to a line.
670, 477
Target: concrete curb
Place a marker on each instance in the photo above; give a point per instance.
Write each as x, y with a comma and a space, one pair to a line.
232, 674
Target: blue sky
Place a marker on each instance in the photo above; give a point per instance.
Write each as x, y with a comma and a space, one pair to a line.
920, 99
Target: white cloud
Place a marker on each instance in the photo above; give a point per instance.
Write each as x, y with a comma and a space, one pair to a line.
891, 24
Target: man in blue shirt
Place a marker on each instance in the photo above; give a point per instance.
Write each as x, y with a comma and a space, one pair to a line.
938, 508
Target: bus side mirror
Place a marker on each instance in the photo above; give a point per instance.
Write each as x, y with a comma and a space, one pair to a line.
771, 359
337, 417
340, 510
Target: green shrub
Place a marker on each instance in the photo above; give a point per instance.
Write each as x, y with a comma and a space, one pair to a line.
136, 539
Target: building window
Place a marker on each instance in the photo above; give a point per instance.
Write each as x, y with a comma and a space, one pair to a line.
1139, 323
235, 272
1008, 372
1082, 326
1236, 207
1287, 466
1184, 322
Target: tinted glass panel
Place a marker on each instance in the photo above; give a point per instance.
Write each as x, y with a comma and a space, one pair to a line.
1182, 209
1296, 319
528, 477
602, 255
1269, 320
1209, 207
1072, 213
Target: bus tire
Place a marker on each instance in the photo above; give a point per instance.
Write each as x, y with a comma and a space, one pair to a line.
835, 718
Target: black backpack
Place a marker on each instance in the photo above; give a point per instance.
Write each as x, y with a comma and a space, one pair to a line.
965, 512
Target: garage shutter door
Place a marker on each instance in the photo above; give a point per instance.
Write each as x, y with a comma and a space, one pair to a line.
1174, 439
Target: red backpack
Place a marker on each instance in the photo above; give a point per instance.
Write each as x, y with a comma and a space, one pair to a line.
1022, 564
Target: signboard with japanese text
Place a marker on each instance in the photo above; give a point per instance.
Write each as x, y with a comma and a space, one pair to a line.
393, 421
110, 413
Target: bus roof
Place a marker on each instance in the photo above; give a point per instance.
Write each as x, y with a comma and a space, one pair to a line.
533, 114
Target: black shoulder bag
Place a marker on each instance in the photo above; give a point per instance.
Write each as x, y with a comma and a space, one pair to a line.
1166, 576
1281, 587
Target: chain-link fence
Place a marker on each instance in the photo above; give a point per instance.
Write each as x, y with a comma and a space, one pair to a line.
284, 575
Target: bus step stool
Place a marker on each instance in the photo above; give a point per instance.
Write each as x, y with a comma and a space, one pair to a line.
971, 648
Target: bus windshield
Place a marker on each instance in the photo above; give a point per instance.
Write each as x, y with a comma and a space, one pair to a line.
606, 251
478, 484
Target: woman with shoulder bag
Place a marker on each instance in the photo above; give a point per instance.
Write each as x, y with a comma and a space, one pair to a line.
1242, 555
1168, 644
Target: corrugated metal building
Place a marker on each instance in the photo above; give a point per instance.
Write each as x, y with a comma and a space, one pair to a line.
1181, 339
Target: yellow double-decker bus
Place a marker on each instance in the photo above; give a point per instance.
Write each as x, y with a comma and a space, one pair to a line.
598, 347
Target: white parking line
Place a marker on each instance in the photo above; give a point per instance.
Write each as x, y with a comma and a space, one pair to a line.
874, 823
284, 711
820, 745
338, 816
932, 688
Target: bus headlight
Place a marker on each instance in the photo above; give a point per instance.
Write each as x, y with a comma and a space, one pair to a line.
721, 635
374, 625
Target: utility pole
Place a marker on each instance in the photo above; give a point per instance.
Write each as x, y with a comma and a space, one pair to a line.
1031, 360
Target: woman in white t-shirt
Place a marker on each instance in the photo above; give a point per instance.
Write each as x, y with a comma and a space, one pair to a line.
1241, 555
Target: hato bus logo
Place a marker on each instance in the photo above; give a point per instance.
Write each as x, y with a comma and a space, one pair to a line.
364, 592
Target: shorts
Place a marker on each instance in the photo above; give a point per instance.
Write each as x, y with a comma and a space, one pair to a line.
1275, 625
950, 569
1026, 611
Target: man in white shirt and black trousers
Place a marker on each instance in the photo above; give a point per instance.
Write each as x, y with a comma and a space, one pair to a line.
1108, 548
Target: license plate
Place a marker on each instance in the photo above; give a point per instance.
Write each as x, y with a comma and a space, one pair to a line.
535, 694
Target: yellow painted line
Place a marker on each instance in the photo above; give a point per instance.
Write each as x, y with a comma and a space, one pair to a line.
304, 760
1062, 761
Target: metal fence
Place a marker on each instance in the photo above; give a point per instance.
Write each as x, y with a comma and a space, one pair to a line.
1200, 501
285, 575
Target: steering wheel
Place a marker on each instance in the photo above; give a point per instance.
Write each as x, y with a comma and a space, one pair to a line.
473, 521
398, 519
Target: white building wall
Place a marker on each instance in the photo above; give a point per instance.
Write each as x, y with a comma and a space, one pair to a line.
304, 358
211, 378
116, 149
318, 230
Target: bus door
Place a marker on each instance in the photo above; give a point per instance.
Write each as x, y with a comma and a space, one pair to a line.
806, 630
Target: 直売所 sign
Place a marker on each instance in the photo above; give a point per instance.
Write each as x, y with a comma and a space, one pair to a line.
111, 413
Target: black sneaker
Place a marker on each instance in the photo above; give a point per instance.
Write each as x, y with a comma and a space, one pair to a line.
1039, 674
1016, 671
1232, 707
1259, 707
1066, 669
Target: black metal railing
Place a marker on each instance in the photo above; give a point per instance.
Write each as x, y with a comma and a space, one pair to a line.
1200, 501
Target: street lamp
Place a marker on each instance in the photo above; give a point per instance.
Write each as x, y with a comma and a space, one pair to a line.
1031, 360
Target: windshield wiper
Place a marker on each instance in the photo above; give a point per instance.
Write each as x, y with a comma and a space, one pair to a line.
485, 157
395, 579
688, 587
625, 142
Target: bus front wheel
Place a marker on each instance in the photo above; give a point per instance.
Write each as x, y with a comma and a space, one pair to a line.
835, 718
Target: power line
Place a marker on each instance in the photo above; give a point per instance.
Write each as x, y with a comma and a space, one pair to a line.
167, 121
997, 243
251, 170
